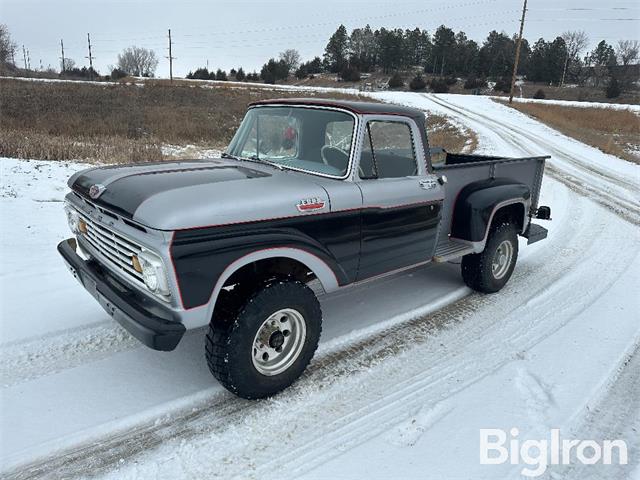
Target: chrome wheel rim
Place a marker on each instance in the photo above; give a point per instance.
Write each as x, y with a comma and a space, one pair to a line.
279, 341
502, 259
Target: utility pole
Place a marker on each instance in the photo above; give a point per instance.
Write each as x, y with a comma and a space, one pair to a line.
517, 59
564, 70
28, 59
90, 57
62, 57
171, 58
41, 65
24, 56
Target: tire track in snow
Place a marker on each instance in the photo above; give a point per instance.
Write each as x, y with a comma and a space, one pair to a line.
615, 416
223, 427
36, 357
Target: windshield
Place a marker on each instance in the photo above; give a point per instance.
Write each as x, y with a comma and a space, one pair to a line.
310, 139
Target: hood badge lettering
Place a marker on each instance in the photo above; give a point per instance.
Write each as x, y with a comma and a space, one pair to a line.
310, 204
96, 190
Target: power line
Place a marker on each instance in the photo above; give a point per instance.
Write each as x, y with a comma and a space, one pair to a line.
350, 20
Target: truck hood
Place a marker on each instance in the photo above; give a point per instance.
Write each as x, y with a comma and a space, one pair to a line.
192, 194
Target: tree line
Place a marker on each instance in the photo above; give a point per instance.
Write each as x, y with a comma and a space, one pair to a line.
443, 54
449, 53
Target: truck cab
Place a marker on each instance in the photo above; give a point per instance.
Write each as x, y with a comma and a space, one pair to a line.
324, 191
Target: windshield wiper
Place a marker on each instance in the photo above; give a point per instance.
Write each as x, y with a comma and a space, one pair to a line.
228, 155
257, 159
252, 158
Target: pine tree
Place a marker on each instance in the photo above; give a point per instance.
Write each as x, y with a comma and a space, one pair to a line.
335, 53
417, 83
613, 88
396, 81
221, 75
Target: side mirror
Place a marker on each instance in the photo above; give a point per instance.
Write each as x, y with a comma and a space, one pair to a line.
442, 179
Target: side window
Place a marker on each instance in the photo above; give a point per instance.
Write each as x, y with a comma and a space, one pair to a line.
388, 151
338, 134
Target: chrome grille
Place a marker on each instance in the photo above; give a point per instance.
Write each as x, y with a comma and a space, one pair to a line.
113, 247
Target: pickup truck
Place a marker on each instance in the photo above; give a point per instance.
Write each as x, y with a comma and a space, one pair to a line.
313, 192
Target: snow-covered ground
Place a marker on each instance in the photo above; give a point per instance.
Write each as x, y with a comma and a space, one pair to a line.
408, 372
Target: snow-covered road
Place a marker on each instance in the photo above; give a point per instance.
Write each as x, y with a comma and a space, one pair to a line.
409, 370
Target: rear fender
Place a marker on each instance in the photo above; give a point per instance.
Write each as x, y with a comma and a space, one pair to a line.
479, 202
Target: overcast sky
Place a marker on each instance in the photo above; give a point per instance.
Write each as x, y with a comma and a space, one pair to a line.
246, 33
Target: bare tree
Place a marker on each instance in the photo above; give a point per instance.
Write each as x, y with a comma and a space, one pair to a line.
138, 61
69, 64
575, 43
628, 51
7, 46
291, 59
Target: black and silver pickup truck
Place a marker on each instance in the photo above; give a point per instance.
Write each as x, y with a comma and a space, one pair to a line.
330, 192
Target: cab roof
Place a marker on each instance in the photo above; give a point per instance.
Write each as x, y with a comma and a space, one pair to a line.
361, 108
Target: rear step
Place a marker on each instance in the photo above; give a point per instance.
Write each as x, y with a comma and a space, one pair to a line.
535, 233
451, 250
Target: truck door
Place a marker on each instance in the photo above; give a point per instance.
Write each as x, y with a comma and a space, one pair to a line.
402, 201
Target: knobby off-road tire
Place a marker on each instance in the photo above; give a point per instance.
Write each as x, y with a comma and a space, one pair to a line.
489, 270
246, 333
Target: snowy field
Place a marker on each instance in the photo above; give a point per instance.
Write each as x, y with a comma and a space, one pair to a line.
409, 369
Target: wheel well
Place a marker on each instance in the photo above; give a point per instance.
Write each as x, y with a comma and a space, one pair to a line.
513, 213
247, 278
270, 268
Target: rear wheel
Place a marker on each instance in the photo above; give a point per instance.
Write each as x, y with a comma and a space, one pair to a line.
489, 270
259, 345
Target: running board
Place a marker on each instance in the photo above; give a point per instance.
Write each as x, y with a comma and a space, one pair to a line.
535, 233
451, 250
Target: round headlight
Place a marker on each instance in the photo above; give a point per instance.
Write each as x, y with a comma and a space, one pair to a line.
149, 275
74, 219
153, 272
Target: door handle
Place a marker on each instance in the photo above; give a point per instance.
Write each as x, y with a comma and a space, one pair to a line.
428, 184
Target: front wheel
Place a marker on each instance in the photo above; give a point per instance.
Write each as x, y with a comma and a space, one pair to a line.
263, 345
489, 270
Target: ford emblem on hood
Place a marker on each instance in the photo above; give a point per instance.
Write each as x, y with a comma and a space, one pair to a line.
96, 190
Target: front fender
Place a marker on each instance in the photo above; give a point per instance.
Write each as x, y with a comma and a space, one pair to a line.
204, 258
477, 203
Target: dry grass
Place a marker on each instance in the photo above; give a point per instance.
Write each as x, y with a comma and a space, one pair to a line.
129, 123
613, 131
574, 93
101, 149
443, 133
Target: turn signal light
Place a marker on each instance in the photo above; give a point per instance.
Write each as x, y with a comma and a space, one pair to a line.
82, 226
136, 264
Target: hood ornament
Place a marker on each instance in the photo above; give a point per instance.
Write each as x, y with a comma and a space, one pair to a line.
96, 190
